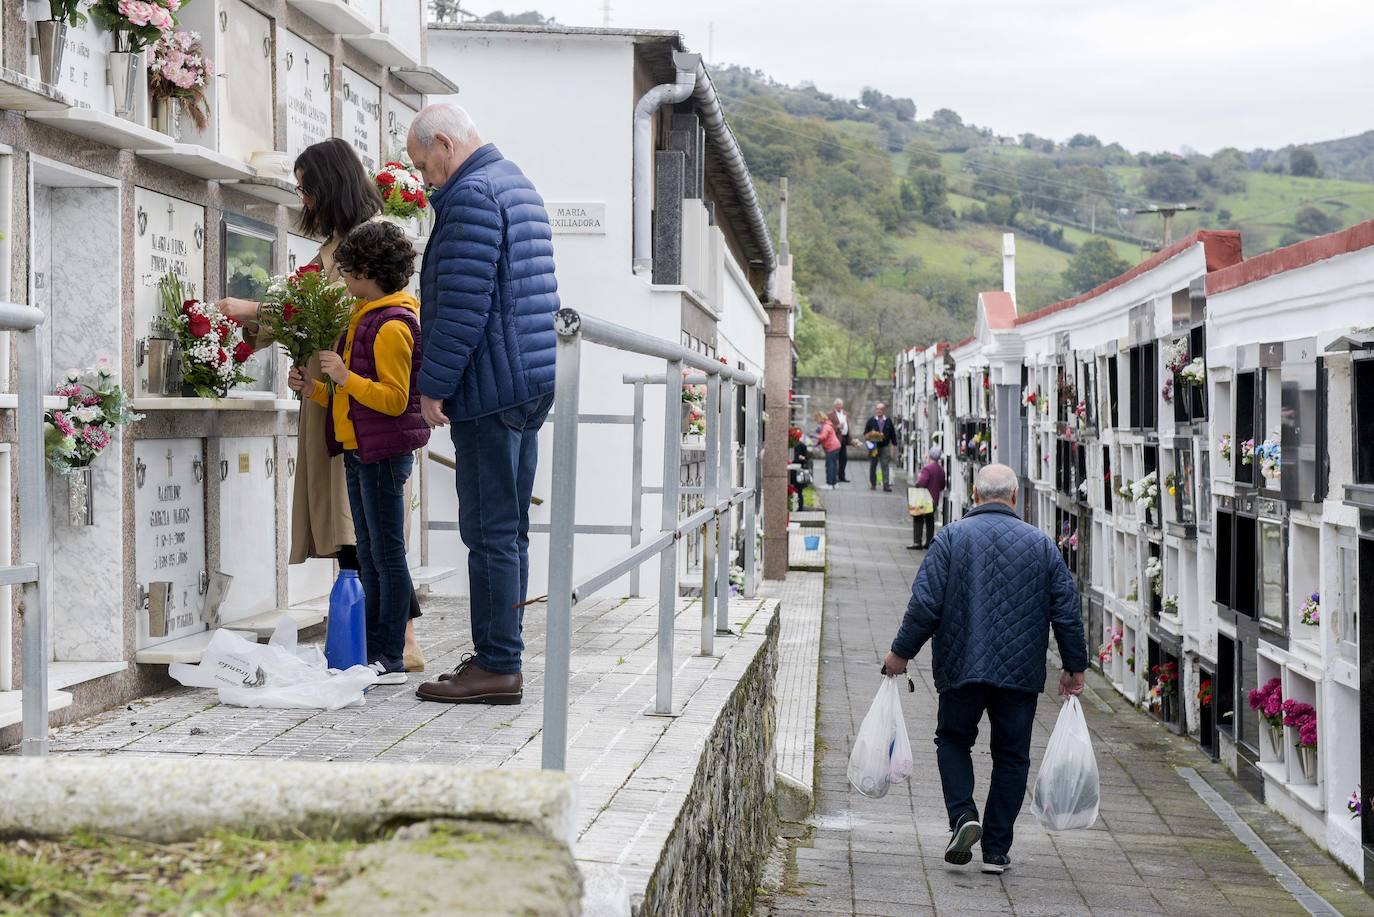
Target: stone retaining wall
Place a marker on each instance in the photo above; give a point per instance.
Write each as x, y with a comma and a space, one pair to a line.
714, 857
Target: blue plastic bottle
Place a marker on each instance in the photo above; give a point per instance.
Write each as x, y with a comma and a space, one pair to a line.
345, 642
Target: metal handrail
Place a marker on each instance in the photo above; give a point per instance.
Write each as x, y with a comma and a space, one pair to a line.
572, 329
31, 572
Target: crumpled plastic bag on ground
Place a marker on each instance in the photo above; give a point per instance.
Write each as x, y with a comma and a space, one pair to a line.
1066, 790
882, 750
279, 675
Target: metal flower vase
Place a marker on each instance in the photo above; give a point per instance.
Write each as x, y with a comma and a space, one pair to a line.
167, 117
1276, 740
52, 42
80, 498
1307, 761
124, 67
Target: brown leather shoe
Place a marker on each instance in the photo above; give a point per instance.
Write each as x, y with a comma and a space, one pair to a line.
469, 683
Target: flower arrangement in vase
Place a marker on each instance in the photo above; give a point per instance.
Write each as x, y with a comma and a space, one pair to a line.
305, 313
1176, 357
1270, 455
1111, 647
1170, 604
1130, 661
1311, 610
75, 436
1168, 390
211, 362
135, 24
794, 434
1224, 447
941, 384
1154, 571
1353, 805
1029, 397
1247, 452
1204, 693
1166, 679
1195, 373
1267, 699
403, 193
179, 72
1303, 718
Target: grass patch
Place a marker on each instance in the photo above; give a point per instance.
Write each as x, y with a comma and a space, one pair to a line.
221, 874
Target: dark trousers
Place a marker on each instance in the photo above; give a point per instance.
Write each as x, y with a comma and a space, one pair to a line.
347, 559
1012, 714
832, 467
844, 458
376, 495
925, 527
496, 458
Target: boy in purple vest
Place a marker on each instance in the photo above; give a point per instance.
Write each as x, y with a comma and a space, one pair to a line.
375, 421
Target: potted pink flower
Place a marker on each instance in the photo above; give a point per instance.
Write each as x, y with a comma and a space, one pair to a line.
1303, 718
179, 73
1268, 700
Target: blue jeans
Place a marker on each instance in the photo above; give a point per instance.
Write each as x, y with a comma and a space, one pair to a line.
496, 457
1012, 714
832, 467
376, 494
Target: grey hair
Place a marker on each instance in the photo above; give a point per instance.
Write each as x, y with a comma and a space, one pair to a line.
995, 483
935, 453
444, 118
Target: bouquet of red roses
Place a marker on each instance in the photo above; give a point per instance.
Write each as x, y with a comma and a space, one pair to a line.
306, 313
211, 360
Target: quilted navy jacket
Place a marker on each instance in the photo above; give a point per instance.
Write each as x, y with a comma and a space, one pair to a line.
487, 291
987, 593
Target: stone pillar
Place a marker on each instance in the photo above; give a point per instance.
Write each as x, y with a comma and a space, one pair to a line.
777, 383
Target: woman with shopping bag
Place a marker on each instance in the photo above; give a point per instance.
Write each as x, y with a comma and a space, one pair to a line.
988, 593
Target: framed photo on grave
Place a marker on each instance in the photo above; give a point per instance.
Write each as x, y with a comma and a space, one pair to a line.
249, 250
305, 75
362, 117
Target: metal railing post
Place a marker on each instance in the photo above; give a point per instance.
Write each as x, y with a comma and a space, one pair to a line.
751, 481
562, 522
711, 486
725, 489
667, 563
33, 535
637, 481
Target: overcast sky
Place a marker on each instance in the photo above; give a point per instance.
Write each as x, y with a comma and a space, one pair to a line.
1205, 73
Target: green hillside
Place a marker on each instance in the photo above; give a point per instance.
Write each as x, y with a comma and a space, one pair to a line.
897, 221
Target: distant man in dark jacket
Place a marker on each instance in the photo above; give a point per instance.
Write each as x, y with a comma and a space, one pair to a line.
487, 299
840, 421
932, 478
987, 594
880, 423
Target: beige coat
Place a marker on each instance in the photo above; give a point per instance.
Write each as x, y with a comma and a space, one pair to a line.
320, 517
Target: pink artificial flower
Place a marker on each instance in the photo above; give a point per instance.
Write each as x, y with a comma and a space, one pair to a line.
69, 390
96, 438
89, 400
59, 420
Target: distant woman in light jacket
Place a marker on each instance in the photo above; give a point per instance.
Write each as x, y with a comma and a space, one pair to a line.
829, 441
336, 196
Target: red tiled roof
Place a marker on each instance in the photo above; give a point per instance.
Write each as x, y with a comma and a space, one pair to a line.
1220, 249
1000, 309
967, 340
1359, 236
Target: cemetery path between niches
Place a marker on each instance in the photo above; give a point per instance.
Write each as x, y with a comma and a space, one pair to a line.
1157, 848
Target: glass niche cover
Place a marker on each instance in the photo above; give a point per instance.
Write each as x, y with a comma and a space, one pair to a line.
250, 255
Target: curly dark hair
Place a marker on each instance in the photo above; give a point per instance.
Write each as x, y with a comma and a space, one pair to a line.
342, 194
378, 251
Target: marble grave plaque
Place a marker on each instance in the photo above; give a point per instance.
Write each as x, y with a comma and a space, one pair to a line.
362, 117
306, 76
169, 531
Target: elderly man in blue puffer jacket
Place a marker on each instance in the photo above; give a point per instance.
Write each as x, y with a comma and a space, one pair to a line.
988, 593
487, 299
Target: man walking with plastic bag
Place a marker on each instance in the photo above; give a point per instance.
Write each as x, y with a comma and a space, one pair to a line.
987, 594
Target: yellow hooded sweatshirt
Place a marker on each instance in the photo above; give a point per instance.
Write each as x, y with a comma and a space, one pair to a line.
392, 353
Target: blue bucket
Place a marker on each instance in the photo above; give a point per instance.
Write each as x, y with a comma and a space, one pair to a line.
813, 542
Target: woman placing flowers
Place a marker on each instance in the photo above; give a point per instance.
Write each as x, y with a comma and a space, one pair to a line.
336, 197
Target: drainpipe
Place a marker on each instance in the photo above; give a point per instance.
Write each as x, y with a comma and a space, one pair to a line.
664, 94
713, 119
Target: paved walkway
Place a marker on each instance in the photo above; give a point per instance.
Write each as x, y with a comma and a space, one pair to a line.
1157, 848
634, 769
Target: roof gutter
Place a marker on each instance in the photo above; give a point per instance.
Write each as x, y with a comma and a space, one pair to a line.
693, 80
663, 94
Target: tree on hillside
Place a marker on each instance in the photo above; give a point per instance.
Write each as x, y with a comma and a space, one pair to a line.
946, 118
529, 17
1315, 221
1095, 263
921, 155
1084, 141
931, 193
1171, 182
1303, 162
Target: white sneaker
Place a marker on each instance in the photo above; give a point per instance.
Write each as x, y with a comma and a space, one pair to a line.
387, 678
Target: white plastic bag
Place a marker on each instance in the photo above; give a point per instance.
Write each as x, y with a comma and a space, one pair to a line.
280, 675
882, 751
1066, 791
